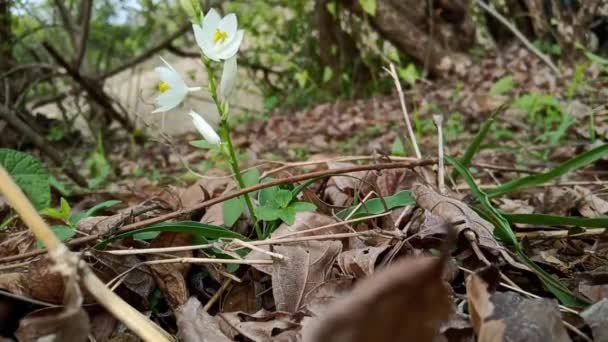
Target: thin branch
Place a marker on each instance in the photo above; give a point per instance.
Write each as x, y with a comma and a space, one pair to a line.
438, 120
410, 131
186, 211
519, 35
86, 10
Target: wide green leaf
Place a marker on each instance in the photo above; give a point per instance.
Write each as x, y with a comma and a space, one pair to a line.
30, 174
75, 218
575, 163
208, 231
375, 205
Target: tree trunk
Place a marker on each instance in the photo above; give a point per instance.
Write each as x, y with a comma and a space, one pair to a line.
337, 48
429, 31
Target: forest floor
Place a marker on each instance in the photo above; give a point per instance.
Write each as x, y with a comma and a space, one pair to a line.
506, 239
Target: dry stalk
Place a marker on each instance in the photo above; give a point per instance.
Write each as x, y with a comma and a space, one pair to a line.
66, 262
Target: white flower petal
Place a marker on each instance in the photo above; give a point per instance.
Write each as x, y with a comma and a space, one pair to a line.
211, 20
228, 24
168, 100
228, 77
204, 128
232, 47
203, 42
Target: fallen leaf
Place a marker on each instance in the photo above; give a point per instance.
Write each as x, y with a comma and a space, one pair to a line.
406, 301
589, 204
461, 217
14, 283
69, 323
596, 316
139, 279
341, 189
508, 316
304, 221
170, 278
321, 297
196, 325
306, 267
360, 262
240, 297
261, 326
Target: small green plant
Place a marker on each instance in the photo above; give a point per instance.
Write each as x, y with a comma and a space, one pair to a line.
280, 204
69, 220
502, 86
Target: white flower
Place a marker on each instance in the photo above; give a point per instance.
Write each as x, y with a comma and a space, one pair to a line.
228, 77
204, 128
172, 87
218, 37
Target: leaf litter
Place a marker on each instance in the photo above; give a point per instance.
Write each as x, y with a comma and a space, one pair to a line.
337, 283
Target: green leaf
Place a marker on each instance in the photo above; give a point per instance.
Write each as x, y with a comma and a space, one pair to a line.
502, 86
398, 149
233, 209
327, 74
409, 74
369, 6
575, 163
375, 206
475, 144
288, 215
251, 177
267, 195
62, 232
29, 174
63, 188
74, 219
296, 191
195, 228
283, 198
302, 206
267, 213
554, 220
57, 214
203, 144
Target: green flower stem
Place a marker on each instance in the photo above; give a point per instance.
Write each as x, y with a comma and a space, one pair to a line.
225, 136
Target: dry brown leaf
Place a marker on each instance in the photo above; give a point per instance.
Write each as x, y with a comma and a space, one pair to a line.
14, 283
240, 297
103, 325
139, 279
196, 325
306, 268
461, 217
261, 326
589, 204
341, 189
69, 323
170, 278
304, 221
360, 262
596, 316
508, 316
321, 297
406, 301
16, 243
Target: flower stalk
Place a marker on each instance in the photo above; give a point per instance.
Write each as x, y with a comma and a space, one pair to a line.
222, 108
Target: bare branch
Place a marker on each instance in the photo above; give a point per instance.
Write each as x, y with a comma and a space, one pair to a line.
86, 10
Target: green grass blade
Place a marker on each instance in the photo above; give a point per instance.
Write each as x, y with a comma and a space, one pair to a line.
375, 205
195, 228
475, 144
504, 232
575, 163
554, 220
